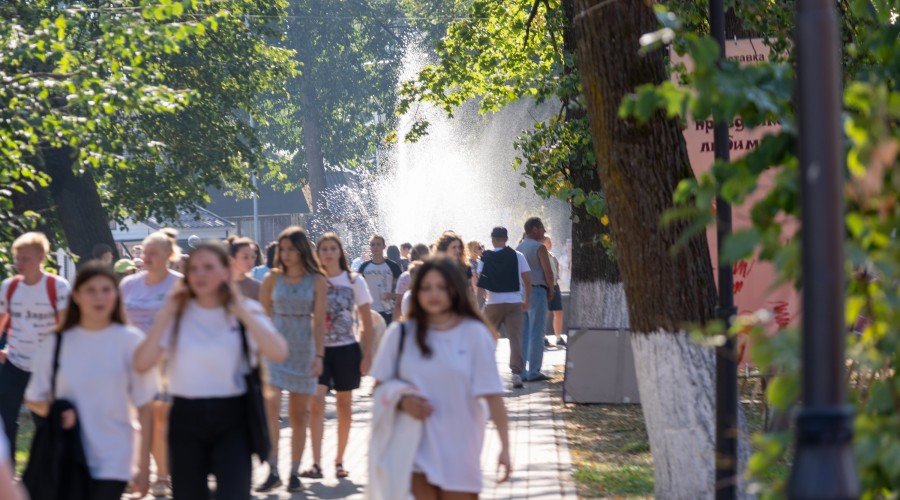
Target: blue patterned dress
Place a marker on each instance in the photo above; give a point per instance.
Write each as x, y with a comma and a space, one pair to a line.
292, 307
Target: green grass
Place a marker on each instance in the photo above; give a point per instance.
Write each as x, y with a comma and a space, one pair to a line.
623, 480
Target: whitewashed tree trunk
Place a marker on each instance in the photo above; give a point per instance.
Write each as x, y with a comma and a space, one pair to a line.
598, 304
676, 378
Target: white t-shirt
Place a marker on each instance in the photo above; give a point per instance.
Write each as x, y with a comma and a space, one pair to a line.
462, 368
508, 297
404, 282
343, 299
142, 302
380, 279
31, 317
96, 374
207, 359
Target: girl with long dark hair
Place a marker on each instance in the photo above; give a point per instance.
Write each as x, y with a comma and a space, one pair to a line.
96, 374
200, 329
244, 254
295, 296
346, 359
448, 357
451, 244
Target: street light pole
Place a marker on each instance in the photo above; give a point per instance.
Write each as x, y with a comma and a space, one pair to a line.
726, 359
823, 465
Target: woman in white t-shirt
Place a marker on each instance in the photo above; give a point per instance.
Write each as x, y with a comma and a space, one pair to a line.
199, 330
96, 374
346, 360
448, 356
143, 295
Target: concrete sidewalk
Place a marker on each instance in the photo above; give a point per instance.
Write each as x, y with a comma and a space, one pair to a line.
539, 450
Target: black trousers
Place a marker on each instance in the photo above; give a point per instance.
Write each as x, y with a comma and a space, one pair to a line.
13, 382
209, 436
107, 489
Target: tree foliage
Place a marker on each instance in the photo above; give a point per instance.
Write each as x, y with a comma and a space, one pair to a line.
145, 95
871, 62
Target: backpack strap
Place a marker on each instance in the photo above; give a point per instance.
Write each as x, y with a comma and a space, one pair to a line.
7, 318
245, 347
51, 294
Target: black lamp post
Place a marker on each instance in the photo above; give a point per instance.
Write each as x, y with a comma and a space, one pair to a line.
823, 465
726, 362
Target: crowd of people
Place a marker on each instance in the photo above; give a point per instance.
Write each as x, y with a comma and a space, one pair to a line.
168, 343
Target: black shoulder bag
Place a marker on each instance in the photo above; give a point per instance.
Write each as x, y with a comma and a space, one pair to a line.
260, 443
57, 468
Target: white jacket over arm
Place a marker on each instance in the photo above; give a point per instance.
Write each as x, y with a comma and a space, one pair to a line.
393, 443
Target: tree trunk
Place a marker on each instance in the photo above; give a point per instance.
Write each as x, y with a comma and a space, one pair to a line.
79, 208
640, 167
312, 145
597, 297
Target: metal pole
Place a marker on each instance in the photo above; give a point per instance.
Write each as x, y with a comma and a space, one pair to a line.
255, 208
823, 465
726, 358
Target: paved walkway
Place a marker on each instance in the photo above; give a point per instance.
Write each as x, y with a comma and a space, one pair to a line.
540, 455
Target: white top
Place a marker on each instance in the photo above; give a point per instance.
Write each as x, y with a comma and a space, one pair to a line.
31, 317
554, 266
404, 282
142, 302
207, 360
406, 303
508, 297
96, 375
344, 298
461, 370
360, 289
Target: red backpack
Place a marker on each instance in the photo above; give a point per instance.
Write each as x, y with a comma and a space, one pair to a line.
13, 284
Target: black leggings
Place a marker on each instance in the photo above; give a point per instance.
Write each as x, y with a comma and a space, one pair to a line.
209, 436
106, 489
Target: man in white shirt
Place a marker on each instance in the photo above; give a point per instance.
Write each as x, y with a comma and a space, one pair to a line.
504, 279
381, 276
31, 305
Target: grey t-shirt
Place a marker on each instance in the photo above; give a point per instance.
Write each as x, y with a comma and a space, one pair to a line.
529, 249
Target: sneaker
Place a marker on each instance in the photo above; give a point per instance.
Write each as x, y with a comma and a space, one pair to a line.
517, 381
294, 485
560, 342
272, 482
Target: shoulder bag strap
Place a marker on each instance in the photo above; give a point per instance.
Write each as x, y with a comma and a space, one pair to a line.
245, 347
56, 350
400, 348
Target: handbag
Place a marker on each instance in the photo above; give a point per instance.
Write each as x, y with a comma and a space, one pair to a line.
260, 443
57, 468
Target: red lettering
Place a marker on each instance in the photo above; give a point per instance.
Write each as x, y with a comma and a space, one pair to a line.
782, 314
743, 268
738, 286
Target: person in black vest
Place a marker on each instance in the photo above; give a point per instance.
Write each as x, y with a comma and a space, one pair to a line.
504, 280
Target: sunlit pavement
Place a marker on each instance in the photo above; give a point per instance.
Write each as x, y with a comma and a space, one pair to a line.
542, 468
